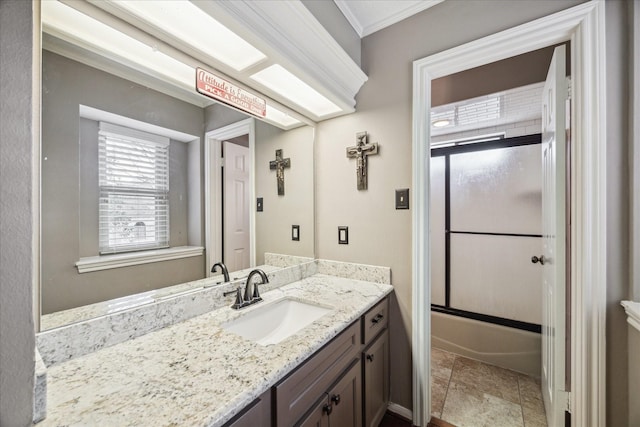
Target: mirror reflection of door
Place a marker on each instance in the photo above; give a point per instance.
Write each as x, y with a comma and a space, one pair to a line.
235, 201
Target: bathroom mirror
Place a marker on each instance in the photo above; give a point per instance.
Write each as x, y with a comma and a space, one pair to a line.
102, 240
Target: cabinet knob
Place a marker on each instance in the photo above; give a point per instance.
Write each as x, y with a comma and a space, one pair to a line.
327, 409
370, 357
377, 318
336, 399
535, 259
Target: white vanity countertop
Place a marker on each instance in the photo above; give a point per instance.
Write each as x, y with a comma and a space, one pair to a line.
194, 373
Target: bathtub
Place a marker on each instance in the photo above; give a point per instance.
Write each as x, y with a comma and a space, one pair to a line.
498, 345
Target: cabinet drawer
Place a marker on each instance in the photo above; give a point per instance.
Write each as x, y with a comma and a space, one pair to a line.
300, 390
375, 320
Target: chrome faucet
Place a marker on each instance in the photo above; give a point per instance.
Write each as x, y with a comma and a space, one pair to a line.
253, 297
223, 267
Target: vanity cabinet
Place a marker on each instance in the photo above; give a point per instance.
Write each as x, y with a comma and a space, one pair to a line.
301, 389
256, 414
345, 383
340, 405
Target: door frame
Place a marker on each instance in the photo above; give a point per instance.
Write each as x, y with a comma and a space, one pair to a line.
584, 26
213, 190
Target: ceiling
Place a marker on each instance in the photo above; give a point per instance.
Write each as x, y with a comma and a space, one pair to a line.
367, 17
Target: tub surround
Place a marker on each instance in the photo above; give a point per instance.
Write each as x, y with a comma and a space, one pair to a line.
194, 372
497, 345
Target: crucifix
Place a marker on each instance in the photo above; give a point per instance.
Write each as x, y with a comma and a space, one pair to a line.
279, 164
360, 152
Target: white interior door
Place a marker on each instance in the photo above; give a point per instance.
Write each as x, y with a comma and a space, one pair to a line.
554, 96
236, 195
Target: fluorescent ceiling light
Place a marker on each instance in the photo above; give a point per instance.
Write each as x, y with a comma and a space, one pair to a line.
278, 79
66, 22
187, 22
280, 117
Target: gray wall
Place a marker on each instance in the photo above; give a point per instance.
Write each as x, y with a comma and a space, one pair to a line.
378, 233
69, 183
273, 225
618, 78
18, 208
332, 19
521, 70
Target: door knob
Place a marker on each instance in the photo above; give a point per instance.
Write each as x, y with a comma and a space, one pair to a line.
336, 399
535, 259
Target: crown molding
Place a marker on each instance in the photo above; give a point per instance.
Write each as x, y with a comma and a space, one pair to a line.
399, 15
291, 36
351, 17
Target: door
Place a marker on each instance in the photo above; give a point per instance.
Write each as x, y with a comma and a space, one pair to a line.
236, 206
554, 96
376, 380
345, 399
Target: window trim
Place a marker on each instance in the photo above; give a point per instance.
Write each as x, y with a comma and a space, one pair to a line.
127, 259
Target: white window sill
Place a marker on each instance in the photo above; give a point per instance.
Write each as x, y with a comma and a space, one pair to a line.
106, 262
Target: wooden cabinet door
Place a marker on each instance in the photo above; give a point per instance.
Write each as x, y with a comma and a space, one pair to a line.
345, 399
256, 414
376, 380
318, 417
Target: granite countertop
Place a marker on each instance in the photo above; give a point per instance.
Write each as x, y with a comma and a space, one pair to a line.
194, 373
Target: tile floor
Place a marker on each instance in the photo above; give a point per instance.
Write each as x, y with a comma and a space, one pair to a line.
468, 393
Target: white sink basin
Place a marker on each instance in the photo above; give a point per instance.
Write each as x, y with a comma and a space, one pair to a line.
270, 323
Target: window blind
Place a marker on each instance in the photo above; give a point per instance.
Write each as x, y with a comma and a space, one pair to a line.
134, 190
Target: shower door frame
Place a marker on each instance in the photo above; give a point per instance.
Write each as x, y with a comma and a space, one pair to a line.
583, 25
447, 152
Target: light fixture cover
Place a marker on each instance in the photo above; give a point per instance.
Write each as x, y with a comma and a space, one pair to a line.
284, 83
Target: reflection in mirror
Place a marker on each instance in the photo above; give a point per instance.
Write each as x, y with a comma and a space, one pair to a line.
123, 187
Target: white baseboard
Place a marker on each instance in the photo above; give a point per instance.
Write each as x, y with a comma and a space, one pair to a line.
400, 410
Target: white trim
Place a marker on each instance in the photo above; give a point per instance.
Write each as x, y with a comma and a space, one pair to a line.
584, 26
400, 410
364, 30
132, 124
343, 5
107, 262
289, 34
633, 313
213, 191
634, 136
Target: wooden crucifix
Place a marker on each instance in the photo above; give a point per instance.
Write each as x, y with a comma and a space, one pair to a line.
279, 164
360, 152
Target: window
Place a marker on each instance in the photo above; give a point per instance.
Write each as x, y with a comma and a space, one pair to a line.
134, 190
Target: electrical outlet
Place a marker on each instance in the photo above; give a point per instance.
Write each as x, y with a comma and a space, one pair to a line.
343, 235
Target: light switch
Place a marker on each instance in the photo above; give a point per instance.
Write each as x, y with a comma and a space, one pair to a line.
343, 235
259, 205
402, 199
295, 232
